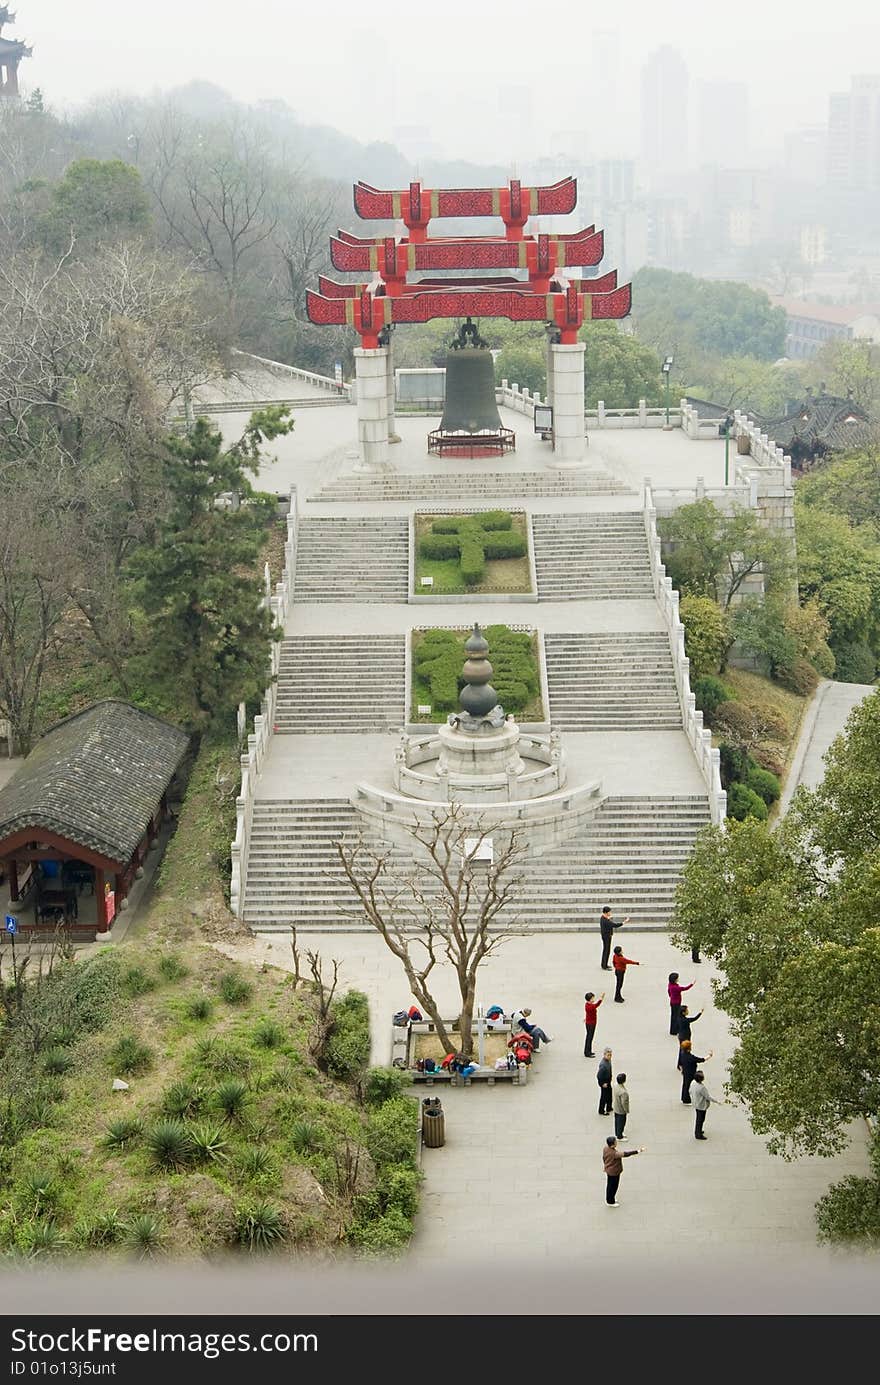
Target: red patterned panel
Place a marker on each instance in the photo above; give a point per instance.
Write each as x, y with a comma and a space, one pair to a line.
616, 304
463, 254
603, 284
424, 307
371, 204
325, 312
464, 202
558, 198
545, 263
516, 200
331, 289
415, 205
344, 255
581, 251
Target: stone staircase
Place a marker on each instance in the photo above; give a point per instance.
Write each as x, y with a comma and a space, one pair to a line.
592, 557
612, 682
352, 559
294, 875
340, 683
469, 486
629, 857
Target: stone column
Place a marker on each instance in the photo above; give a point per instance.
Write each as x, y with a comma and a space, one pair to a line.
569, 437
371, 372
393, 435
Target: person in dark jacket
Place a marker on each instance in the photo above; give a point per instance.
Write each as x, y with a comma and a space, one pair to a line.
606, 928
685, 1021
688, 1063
591, 1007
612, 1162
603, 1077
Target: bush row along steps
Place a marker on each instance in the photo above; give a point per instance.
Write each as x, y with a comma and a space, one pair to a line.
612, 682
630, 856
348, 683
352, 559
592, 557
470, 486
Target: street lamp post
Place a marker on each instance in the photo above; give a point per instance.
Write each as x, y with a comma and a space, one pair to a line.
666, 368
726, 426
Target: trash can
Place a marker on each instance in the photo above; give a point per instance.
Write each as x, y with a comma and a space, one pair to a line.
433, 1123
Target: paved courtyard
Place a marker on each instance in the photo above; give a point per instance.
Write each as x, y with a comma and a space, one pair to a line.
520, 1176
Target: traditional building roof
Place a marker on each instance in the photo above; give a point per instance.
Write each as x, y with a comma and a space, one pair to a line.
704, 408
819, 424
96, 779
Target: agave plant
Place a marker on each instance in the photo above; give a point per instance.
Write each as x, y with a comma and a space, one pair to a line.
231, 1097
305, 1137
208, 1143
182, 1099
125, 1131
44, 1238
234, 989
260, 1226
199, 1007
268, 1034
171, 968
256, 1162
144, 1234
57, 1061
169, 1143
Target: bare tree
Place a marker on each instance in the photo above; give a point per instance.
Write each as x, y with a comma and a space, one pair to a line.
442, 904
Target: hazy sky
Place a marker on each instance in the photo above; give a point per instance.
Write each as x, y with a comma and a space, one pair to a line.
490, 79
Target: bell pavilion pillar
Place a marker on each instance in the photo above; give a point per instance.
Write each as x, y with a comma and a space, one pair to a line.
371, 366
566, 391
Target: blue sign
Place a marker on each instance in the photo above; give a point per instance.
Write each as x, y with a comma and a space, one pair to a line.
11, 925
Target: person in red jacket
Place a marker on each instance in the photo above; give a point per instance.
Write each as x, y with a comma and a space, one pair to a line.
674, 991
620, 964
591, 1006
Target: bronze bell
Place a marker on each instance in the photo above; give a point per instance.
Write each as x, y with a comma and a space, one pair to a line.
470, 392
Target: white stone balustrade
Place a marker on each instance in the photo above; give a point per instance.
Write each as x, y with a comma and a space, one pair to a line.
708, 758
258, 741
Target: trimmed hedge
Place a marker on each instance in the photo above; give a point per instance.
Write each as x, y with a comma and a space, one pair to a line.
474, 540
764, 784
743, 802
439, 657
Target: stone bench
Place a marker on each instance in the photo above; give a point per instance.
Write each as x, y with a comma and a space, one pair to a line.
518, 1076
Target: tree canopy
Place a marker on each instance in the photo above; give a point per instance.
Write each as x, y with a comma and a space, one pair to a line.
713, 553
693, 318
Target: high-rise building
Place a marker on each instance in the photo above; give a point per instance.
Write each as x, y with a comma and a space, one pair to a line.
854, 136
664, 111
604, 93
806, 155
723, 133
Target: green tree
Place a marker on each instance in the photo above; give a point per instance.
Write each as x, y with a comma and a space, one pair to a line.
208, 635
839, 566
96, 200
619, 368
523, 363
713, 553
695, 318
707, 635
849, 365
779, 631
848, 486
745, 382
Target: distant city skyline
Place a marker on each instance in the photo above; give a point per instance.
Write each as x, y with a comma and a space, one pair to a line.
490, 84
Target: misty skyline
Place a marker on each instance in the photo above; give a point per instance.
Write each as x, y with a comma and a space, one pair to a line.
492, 84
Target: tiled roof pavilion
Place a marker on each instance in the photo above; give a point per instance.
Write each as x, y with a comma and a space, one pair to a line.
96, 779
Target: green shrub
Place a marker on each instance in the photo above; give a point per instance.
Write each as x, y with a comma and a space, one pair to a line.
854, 662
199, 1007
144, 1235
472, 561
259, 1227
234, 989
439, 547
743, 802
707, 635
495, 520
392, 1131
182, 1099
798, 677
849, 1213
347, 1050
171, 968
42, 1238
57, 1061
219, 1056
38, 1192
136, 981
384, 1084
169, 1143
445, 526
56, 1009
231, 1097
710, 692
121, 1133
512, 545
389, 1232
106, 1229
268, 1034
208, 1143
399, 1188
130, 1055
764, 784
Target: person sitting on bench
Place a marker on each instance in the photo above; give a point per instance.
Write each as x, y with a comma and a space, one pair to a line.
534, 1031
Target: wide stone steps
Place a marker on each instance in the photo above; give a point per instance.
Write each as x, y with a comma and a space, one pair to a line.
470, 486
347, 683
295, 878
352, 559
611, 682
591, 557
